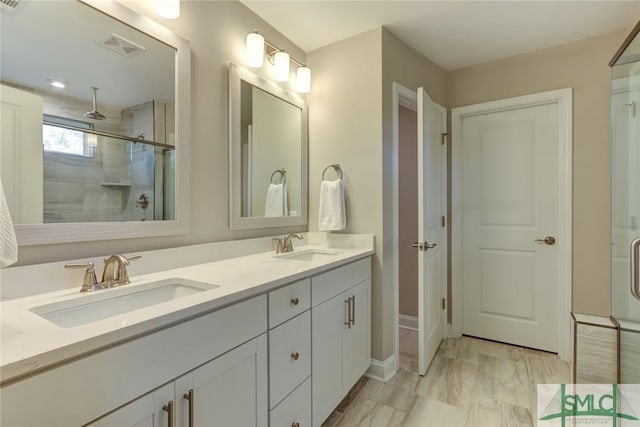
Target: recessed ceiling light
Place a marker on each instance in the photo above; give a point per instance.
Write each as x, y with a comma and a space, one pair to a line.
57, 83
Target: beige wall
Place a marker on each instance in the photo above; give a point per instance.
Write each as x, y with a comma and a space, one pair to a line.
345, 127
408, 201
582, 66
217, 32
350, 122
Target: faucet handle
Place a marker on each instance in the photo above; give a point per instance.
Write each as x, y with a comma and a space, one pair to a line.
90, 281
133, 257
279, 244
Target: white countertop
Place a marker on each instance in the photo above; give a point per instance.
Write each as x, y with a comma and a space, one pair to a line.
31, 343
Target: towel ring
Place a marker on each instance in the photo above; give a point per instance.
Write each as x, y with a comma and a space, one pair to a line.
283, 174
336, 167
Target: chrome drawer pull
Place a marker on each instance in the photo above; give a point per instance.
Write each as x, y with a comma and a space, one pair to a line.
295, 356
295, 301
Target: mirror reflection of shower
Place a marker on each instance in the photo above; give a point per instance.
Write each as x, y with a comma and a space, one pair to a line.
95, 114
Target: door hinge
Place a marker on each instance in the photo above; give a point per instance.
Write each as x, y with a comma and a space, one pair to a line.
443, 138
444, 221
444, 304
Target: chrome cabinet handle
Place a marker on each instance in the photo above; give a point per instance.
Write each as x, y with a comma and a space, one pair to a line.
295, 301
295, 425
549, 240
189, 397
295, 356
168, 408
348, 321
353, 310
635, 279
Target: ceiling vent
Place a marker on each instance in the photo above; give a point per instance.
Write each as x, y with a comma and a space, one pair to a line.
120, 45
9, 4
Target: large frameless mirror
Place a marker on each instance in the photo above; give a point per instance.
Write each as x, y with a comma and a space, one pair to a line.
95, 102
268, 146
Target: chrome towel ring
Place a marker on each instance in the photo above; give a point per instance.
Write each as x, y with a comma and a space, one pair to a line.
283, 174
336, 167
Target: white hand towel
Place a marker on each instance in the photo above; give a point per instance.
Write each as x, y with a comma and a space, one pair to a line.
276, 203
332, 214
8, 242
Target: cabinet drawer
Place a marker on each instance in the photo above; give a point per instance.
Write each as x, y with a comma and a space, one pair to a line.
295, 409
327, 285
289, 301
289, 356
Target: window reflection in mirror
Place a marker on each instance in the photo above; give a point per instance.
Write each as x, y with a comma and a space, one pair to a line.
60, 164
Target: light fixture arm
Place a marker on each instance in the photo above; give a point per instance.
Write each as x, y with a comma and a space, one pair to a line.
275, 49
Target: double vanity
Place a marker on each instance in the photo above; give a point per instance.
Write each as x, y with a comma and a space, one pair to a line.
254, 340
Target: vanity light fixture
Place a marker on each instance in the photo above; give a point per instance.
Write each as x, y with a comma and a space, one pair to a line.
281, 66
169, 9
255, 50
257, 47
303, 80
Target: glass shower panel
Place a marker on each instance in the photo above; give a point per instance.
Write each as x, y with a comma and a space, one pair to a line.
625, 202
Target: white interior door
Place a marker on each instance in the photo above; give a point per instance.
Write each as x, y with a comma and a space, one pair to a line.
21, 153
431, 238
509, 205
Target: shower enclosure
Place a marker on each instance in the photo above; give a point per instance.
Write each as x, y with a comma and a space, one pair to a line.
625, 213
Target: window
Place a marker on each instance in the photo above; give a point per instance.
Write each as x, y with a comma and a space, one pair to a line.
59, 139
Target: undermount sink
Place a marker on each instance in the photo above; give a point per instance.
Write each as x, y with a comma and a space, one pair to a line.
109, 303
308, 255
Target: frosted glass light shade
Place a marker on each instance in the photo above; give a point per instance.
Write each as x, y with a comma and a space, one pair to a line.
303, 80
281, 66
255, 50
169, 9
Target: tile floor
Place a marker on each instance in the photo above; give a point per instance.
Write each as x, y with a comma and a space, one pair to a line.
470, 383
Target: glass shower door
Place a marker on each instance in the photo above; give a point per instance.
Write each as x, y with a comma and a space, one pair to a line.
625, 213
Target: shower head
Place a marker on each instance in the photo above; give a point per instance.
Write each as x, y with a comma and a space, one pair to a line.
94, 114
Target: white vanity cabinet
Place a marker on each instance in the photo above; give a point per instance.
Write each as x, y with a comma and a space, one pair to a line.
290, 355
341, 334
229, 391
210, 351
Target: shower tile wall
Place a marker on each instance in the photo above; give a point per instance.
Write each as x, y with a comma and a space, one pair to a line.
99, 188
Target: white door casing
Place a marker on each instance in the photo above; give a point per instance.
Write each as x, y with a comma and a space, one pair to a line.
430, 230
511, 185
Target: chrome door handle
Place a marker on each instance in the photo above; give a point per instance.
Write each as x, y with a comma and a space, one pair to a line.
549, 240
425, 246
428, 246
635, 279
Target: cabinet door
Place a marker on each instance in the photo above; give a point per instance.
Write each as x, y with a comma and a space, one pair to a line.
230, 391
327, 322
146, 411
356, 341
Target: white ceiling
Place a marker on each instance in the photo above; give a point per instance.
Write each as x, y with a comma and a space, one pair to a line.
453, 34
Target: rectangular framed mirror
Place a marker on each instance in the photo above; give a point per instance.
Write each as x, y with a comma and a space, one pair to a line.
268, 153
95, 115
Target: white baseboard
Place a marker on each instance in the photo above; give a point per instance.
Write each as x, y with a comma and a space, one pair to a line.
408, 322
382, 371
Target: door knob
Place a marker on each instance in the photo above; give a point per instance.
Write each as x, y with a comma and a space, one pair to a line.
549, 240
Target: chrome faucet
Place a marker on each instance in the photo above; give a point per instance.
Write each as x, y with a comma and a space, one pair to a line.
287, 245
115, 271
